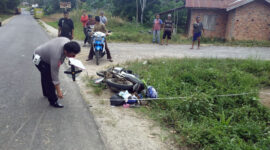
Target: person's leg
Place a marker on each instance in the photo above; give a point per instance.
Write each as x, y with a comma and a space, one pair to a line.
91, 53
108, 51
85, 40
52, 97
169, 37
163, 37
158, 36
199, 41
43, 82
154, 36
43, 85
193, 40
45, 70
85, 33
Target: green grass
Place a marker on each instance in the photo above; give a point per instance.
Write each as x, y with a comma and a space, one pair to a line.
203, 120
53, 24
123, 31
5, 16
97, 88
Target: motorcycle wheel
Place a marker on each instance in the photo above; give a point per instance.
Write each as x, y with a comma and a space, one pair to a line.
117, 86
97, 57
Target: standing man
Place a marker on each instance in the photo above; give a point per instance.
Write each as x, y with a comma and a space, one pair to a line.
197, 32
167, 29
89, 27
156, 29
103, 19
66, 27
48, 58
101, 28
84, 20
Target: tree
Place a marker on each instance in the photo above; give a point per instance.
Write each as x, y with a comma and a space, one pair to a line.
143, 5
7, 5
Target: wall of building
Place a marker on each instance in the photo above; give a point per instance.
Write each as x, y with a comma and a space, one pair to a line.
220, 24
230, 25
251, 22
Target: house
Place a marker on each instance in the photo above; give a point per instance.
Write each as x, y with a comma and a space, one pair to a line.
231, 19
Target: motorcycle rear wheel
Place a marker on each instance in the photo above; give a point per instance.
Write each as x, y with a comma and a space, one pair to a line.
119, 86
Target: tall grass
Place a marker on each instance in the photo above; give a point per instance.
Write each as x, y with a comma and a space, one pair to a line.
203, 120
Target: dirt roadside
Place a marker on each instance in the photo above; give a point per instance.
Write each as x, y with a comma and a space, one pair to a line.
121, 128
124, 128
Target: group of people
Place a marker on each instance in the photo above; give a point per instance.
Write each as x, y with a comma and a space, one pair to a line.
94, 25
167, 27
66, 29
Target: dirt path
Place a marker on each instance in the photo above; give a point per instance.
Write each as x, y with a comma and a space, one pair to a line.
122, 128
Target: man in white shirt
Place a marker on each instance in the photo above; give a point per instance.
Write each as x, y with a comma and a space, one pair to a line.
103, 19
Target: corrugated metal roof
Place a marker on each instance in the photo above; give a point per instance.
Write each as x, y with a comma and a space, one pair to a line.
219, 4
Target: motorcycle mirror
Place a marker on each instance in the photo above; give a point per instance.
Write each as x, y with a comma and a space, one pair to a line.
75, 69
73, 72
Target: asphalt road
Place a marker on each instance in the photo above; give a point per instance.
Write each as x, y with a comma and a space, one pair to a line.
27, 122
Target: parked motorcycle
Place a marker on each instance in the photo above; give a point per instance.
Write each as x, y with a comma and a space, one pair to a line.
119, 79
99, 45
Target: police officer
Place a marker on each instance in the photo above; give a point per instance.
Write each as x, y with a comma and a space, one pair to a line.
48, 58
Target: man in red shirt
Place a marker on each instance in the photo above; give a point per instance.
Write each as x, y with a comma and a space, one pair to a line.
84, 20
156, 29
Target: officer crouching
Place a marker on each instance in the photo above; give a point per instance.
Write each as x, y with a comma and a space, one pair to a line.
48, 57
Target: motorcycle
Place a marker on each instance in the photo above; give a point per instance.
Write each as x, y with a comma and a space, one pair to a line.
119, 79
99, 45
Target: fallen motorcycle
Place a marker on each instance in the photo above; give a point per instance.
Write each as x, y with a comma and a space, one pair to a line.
119, 79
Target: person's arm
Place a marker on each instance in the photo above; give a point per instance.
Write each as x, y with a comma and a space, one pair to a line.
58, 91
153, 25
54, 74
72, 34
59, 31
82, 19
72, 31
106, 21
104, 29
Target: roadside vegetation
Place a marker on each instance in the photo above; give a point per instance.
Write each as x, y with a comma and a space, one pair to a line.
4, 16
125, 31
203, 120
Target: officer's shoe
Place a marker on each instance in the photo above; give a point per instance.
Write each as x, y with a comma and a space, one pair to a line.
57, 105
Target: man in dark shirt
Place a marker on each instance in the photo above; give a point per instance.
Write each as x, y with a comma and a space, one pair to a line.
197, 32
66, 27
167, 29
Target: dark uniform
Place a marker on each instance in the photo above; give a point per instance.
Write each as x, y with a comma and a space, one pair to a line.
66, 26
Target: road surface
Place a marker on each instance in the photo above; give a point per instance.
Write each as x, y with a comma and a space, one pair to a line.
26, 119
